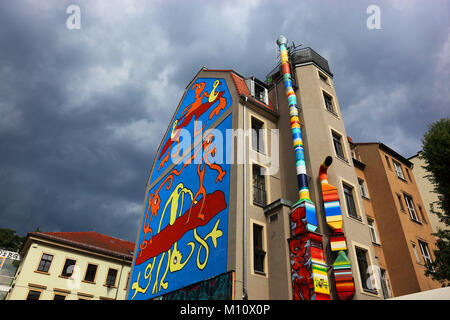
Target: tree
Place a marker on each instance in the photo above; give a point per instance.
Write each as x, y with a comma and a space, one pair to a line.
9, 240
436, 153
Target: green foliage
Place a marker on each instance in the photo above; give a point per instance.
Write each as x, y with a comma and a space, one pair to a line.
436, 153
9, 240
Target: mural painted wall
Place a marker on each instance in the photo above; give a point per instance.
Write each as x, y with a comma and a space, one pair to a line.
217, 288
183, 235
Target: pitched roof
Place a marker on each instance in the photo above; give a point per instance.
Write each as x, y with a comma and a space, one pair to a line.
91, 240
241, 87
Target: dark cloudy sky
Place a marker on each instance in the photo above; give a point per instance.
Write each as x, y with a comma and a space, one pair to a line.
82, 111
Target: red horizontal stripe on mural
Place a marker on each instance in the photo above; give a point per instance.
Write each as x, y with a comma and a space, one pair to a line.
163, 241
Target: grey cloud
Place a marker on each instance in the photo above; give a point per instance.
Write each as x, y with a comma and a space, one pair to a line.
83, 111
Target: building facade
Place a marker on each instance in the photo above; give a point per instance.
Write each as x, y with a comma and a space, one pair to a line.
426, 189
230, 219
9, 262
72, 266
365, 194
403, 222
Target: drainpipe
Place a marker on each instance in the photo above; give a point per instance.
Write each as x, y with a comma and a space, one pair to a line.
244, 228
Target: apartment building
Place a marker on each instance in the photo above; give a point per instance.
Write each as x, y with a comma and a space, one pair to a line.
426, 189
229, 219
382, 275
402, 219
72, 266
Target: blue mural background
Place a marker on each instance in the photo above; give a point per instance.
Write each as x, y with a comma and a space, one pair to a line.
184, 232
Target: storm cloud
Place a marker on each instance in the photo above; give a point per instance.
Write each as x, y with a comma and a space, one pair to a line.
82, 111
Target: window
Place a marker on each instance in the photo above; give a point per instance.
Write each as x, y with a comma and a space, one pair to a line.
398, 169
44, 264
337, 142
385, 284
33, 295
362, 186
416, 254
350, 201
400, 202
329, 102
373, 231
425, 252
259, 186
68, 268
361, 256
323, 77
407, 173
59, 297
257, 135
258, 252
90, 273
257, 90
273, 217
387, 161
111, 278
128, 281
410, 205
422, 215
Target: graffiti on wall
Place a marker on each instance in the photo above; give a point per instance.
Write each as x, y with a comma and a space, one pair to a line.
217, 288
183, 235
309, 276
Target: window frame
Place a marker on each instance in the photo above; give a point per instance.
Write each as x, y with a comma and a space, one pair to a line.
39, 264
95, 275
257, 192
59, 294
363, 188
408, 174
115, 278
411, 208
385, 284
329, 102
35, 290
373, 231
427, 259
346, 198
422, 214
388, 162
335, 134
62, 275
400, 201
398, 169
364, 277
262, 250
258, 135
323, 77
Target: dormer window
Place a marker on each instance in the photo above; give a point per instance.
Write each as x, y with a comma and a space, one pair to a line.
257, 90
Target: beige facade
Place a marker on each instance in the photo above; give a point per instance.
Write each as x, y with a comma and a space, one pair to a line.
272, 279
426, 189
401, 216
43, 272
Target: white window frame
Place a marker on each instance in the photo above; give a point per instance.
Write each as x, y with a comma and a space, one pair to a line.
410, 205
398, 169
425, 252
363, 188
373, 231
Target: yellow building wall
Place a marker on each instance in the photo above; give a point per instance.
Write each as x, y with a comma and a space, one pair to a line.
28, 278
